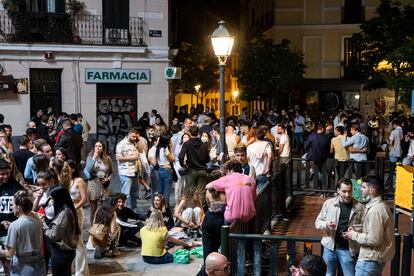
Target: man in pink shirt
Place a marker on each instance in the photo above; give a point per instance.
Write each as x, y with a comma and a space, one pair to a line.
240, 191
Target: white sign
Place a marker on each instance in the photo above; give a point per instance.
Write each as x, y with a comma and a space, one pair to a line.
172, 73
117, 76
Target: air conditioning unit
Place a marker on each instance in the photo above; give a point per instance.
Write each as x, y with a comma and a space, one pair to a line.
116, 36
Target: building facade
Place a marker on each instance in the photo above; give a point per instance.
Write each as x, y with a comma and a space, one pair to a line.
105, 61
321, 30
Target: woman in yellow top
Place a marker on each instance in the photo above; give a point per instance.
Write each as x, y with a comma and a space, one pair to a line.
154, 236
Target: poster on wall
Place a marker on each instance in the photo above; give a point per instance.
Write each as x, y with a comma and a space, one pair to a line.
116, 113
351, 99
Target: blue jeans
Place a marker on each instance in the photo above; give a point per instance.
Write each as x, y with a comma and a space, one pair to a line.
166, 258
261, 180
297, 139
128, 187
30, 264
165, 180
368, 268
345, 259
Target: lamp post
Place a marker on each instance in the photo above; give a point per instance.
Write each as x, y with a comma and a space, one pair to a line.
235, 95
222, 42
197, 89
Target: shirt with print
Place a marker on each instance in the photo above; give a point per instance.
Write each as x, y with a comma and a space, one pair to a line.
7, 191
126, 149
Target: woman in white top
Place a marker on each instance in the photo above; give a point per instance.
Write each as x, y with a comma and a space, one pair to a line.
79, 195
161, 156
232, 139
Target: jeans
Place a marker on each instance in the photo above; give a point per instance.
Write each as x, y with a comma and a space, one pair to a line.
261, 180
211, 231
368, 268
29, 264
345, 259
165, 180
129, 187
297, 140
166, 258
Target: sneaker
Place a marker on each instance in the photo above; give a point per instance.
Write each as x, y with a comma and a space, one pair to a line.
89, 245
98, 254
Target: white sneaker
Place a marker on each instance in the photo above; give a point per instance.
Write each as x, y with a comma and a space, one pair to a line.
89, 246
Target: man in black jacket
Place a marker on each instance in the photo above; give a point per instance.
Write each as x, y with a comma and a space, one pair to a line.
196, 163
8, 187
71, 141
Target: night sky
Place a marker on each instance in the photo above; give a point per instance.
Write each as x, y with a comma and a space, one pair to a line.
193, 21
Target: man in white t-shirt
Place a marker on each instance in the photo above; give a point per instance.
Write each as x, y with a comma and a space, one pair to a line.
260, 156
284, 143
395, 142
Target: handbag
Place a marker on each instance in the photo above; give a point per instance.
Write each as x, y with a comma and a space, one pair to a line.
100, 233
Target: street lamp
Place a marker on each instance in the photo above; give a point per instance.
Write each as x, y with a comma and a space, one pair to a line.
222, 42
235, 95
197, 89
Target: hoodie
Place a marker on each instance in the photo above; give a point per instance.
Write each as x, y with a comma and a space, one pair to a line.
197, 154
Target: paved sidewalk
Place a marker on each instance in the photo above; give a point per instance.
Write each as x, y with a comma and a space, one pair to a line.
130, 261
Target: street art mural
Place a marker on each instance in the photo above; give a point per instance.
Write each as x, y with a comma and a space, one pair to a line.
116, 114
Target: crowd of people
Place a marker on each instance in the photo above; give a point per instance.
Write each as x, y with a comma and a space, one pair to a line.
50, 178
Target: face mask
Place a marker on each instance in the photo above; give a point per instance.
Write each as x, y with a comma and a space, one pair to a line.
367, 199
204, 139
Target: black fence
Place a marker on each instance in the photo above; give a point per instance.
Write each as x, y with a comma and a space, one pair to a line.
310, 176
66, 28
266, 204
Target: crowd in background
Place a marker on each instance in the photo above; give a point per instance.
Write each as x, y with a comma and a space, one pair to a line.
51, 177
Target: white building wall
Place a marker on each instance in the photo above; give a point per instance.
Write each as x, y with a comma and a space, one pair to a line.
18, 59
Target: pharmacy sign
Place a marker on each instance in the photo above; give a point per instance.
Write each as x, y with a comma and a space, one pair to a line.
117, 75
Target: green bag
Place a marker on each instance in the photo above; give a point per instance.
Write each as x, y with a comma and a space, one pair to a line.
198, 251
181, 256
356, 190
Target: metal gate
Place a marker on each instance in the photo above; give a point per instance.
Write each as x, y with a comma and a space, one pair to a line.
45, 89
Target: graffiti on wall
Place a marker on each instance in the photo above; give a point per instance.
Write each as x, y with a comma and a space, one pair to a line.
115, 116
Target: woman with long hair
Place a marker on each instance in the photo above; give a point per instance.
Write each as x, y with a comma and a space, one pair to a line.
98, 171
179, 184
24, 239
15, 173
63, 172
79, 195
62, 154
62, 232
190, 210
158, 203
154, 236
161, 156
106, 215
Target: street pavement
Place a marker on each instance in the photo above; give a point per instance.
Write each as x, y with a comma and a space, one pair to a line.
130, 261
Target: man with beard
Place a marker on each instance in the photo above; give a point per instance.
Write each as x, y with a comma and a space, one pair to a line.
127, 155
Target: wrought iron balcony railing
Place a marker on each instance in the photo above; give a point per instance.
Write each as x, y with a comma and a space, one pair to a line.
64, 28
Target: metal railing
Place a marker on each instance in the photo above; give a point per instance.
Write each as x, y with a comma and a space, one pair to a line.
266, 206
64, 28
241, 242
324, 176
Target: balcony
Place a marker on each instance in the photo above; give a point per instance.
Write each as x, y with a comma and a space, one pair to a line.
65, 29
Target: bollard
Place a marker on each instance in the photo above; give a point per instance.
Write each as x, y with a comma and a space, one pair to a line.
406, 258
225, 230
395, 263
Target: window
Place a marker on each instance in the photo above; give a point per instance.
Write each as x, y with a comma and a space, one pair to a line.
353, 12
